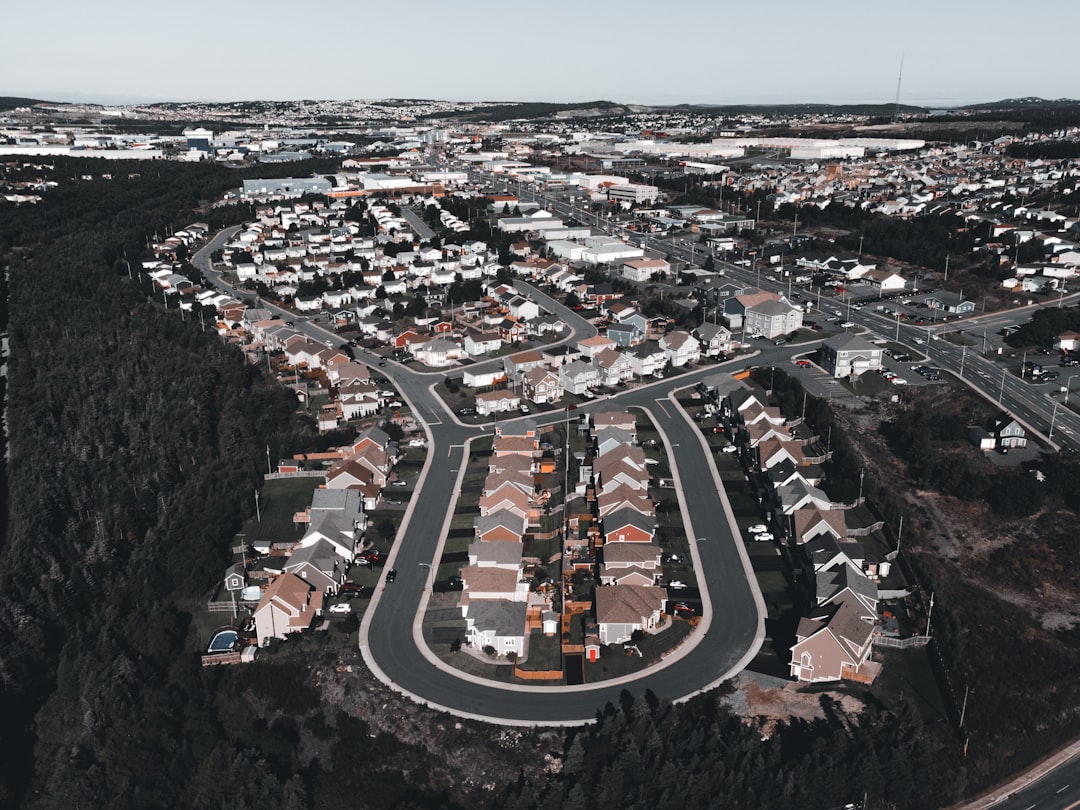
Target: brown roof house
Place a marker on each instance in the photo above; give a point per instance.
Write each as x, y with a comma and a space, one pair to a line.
833, 645
288, 605
622, 609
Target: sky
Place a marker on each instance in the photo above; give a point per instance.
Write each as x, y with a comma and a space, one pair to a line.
634, 52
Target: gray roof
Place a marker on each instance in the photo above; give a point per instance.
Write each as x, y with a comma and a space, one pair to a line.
320, 556
498, 552
851, 343
502, 517
504, 617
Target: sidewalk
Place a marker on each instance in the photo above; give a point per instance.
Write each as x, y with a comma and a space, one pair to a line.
1033, 774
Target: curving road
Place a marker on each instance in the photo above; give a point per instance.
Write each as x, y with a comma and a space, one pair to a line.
732, 628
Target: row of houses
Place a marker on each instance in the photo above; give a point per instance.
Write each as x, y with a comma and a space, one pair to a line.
613, 533
834, 639
300, 577
496, 599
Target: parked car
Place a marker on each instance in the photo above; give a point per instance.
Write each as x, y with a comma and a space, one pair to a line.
758, 528
466, 411
682, 610
763, 536
341, 607
351, 587
729, 448
399, 483
677, 585
371, 555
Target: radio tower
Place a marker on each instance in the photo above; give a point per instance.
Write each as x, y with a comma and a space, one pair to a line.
896, 107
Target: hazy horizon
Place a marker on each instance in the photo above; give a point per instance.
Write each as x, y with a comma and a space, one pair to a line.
634, 52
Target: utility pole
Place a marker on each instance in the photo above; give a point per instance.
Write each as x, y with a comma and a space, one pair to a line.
258, 511
1001, 393
963, 357
1053, 420
963, 709
899, 533
929, 614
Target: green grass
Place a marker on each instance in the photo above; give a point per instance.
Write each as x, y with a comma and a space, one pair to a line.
615, 663
771, 581
545, 653
760, 550
279, 500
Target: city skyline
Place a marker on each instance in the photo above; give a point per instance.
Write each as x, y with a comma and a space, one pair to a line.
632, 53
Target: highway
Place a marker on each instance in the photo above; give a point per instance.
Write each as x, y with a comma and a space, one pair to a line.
998, 382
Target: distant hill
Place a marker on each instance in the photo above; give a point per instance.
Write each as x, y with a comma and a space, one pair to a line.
11, 102
1027, 103
538, 109
800, 109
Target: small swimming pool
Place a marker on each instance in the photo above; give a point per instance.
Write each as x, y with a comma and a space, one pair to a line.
222, 641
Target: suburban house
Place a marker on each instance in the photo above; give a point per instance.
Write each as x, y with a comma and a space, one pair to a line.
489, 402
628, 526
950, 302
492, 582
438, 353
481, 343
288, 605
577, 377
622, 609
496, 623
541, 385
1009, 434
630, 564
613, 366
496, 554
681, 348
714, 339
319, 564
503, 525
850, 355
833, 645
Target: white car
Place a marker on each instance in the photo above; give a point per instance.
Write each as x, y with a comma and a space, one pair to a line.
677, 585
898, 381
729, 448
341, 607
758, 528
762, 536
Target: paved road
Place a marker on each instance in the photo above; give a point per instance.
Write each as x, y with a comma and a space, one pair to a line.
730, 634
733, 616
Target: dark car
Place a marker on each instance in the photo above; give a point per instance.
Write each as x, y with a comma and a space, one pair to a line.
351, 587
391, 575
382, 362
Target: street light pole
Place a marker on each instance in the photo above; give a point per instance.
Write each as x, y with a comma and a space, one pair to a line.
1001, 393
1053, 419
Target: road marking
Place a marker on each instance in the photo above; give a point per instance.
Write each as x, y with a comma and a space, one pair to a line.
1063, 789
661, 406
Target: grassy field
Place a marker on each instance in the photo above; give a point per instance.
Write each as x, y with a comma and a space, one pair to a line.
771, 581
545, 653
615, 662
279, 500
